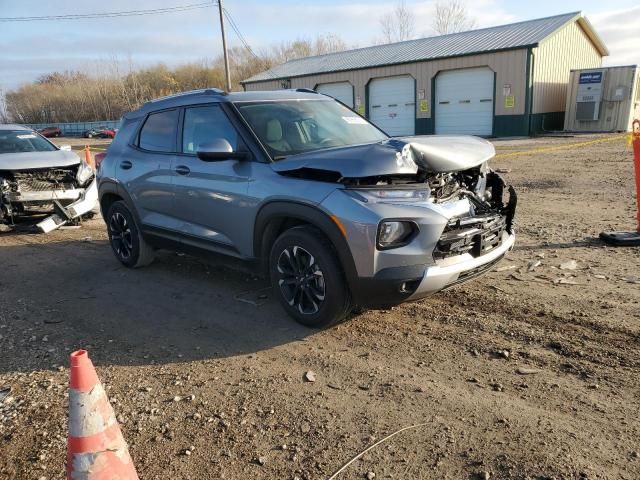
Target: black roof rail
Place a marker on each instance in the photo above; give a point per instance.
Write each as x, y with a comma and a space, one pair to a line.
305, 90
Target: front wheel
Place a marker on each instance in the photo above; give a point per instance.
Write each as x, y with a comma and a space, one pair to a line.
307, 279
125, 237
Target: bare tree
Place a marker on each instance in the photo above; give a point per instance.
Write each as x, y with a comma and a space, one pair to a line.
452, 17
397, 25
4, 113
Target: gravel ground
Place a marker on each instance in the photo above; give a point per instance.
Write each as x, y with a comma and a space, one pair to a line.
529, 372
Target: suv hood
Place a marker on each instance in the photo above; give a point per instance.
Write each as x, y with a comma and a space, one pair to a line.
395, 156
33, 160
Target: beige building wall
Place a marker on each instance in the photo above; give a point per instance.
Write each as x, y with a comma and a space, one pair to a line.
568, 48
510, 67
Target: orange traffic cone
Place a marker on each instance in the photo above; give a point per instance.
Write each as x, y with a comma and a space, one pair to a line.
96, 449
87, 157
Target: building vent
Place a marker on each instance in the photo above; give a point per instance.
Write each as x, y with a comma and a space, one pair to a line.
586, 111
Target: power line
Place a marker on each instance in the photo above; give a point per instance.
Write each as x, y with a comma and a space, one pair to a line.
235, 28
239, 34
125, 13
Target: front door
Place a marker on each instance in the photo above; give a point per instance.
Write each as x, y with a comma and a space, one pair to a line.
210, 196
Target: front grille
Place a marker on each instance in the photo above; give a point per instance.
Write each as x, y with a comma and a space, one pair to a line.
45, 180
475, 235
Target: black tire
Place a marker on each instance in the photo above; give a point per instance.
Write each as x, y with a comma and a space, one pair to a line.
307, 279
125, 237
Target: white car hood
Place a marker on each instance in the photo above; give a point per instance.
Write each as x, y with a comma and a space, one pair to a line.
34, 160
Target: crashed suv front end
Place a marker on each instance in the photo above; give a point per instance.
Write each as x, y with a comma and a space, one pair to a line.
38, 178
435, 217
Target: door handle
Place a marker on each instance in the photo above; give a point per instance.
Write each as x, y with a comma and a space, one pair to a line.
183, 170
126, 165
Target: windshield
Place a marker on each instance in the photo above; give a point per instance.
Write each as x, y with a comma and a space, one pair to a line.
288, 127
19, 141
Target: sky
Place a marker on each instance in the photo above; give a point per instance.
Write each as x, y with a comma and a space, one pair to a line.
31, 49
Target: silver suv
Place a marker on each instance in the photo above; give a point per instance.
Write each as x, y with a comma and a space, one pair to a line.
336, 213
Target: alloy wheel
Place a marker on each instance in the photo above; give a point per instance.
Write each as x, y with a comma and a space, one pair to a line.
121, 236
301, 280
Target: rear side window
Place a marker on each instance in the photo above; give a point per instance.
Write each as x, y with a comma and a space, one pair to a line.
204, 124
159, 132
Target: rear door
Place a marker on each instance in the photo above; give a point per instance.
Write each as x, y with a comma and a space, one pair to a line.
210, 196
146, 171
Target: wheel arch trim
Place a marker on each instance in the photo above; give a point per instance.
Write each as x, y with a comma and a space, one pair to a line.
265, 230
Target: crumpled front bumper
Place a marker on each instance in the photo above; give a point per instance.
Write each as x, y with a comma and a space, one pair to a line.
86, 202
454, 270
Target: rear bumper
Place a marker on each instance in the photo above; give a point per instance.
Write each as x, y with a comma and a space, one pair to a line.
393, 286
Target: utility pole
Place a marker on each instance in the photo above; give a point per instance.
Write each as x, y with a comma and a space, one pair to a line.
224, 48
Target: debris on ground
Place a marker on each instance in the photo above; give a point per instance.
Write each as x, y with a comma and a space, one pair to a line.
570, 265
527, 371
533, 265
432, 361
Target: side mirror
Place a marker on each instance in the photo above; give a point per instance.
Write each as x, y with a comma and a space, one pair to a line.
218, 150
66, 148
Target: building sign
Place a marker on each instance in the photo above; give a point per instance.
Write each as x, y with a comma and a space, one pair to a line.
590, 77
506, 90
509, 101
424, 105
421, 94
360, 109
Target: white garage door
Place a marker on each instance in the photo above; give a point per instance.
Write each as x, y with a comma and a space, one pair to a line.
392, 104
464, 101
342, 91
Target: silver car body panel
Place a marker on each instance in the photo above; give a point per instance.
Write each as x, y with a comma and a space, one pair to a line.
37, 160
396, 156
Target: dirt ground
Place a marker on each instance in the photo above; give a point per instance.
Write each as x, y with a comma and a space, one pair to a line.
198, 357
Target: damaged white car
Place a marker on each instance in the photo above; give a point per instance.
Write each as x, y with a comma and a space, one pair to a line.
37, 177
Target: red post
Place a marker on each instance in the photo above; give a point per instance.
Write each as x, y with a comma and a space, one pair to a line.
629, 239
636, 158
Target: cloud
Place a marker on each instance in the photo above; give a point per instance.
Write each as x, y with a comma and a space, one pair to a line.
35, 48
619, 31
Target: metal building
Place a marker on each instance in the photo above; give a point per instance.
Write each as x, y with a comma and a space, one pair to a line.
499, 81
603, 99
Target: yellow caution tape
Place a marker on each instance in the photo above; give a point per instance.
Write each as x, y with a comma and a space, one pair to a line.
570, 146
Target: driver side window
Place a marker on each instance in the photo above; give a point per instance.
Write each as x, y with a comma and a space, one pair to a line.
204, 124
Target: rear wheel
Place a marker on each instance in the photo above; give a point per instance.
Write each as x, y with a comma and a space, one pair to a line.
125, 237
307, 279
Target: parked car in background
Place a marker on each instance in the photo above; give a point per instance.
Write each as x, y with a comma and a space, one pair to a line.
332, 210
50, 132
99, 132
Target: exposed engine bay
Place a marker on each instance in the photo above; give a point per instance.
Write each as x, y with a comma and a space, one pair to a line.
38, 191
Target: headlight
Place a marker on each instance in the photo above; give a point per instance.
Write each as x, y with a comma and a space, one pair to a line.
405, 195
394, 233
85, 173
